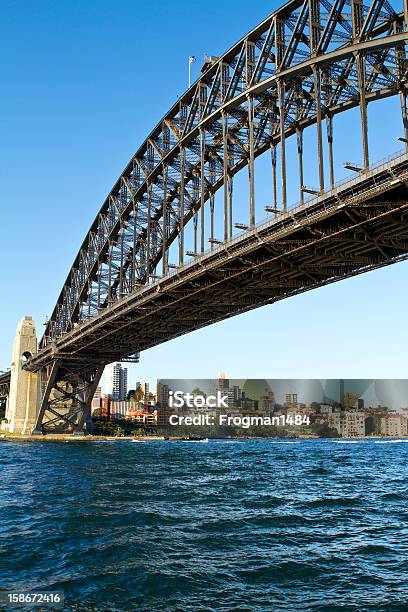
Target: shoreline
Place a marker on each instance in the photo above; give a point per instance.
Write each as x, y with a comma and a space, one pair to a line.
90, 438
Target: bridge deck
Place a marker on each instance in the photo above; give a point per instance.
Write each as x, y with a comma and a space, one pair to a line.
360, 225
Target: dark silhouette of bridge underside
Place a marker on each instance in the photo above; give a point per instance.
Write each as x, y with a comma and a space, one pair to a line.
355, 228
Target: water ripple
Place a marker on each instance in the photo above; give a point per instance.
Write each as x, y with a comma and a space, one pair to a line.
255, 525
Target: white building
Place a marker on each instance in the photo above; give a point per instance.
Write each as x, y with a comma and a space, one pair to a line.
117, 381
119, 410
348, 424
394, 425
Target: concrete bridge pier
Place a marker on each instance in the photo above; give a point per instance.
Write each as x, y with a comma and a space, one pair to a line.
21, 409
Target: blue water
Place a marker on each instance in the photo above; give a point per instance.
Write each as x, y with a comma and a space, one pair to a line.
224, 525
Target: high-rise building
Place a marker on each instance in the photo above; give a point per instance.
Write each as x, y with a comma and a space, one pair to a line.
234, 397
162, 398
117, 382
145, 389
291, 398
222, 383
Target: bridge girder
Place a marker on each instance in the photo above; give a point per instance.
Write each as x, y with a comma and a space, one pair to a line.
360, 227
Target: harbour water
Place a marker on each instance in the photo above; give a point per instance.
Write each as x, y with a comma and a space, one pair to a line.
248, 525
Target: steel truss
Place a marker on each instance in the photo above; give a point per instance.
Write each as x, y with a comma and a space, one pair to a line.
131, 285
67, 389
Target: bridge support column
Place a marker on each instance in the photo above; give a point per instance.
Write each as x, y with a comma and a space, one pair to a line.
274, 185
21, 410
67, 392
281, 97
251, 162
404, 111
361, 75
329, 126
299, 139
317, 88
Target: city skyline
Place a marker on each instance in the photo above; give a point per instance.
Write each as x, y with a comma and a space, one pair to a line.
224, 407
325, 408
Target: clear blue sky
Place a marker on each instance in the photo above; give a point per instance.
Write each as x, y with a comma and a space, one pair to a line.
82, 84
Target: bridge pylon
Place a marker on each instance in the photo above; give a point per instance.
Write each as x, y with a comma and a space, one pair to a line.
21, 410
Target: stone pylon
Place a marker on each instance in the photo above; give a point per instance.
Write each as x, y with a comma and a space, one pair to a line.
22, 403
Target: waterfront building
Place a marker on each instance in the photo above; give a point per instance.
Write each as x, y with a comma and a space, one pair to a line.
118, 409
394, 425
352, 424
348, 424
151, 419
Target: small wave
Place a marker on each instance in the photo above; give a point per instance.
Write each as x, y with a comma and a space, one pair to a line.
276, 442
393, 496
390, 441
373, 549
286, 570
318, 470
333, 501
346, 441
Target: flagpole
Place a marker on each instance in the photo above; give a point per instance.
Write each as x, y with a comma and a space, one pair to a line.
191, 60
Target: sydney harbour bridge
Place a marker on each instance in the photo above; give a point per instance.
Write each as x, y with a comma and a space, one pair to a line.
170, 251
